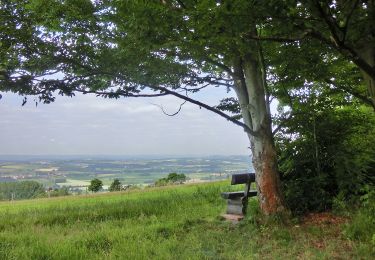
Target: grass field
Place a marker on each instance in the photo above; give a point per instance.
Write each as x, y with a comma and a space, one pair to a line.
179, 222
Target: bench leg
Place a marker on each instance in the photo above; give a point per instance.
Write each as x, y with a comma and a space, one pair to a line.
235, 206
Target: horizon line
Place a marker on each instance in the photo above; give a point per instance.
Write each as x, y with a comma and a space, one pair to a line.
121, 155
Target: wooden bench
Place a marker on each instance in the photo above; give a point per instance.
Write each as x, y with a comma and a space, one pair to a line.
237, 201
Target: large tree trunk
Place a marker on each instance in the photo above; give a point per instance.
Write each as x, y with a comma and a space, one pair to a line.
366, 50
250, 90
367, 53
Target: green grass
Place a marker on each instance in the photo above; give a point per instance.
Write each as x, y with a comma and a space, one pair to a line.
179, 222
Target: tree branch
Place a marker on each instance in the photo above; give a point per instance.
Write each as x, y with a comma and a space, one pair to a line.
220, 65
341, 46
210, 108
264, 76
279, 38
211, 81
118, 92
183, 6
349, 16
173, 114
332, 25
208, 59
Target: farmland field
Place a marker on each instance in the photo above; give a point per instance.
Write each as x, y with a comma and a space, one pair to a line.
143, 171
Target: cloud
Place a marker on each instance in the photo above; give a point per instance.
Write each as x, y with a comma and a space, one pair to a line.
89, 125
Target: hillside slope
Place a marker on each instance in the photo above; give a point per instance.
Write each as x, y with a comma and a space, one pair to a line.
180, 222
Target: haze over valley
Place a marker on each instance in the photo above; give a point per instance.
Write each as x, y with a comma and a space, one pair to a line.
77, 171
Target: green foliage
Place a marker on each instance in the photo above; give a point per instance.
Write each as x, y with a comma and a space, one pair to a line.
95, 185
21, 190
171, 44
325, 151
362, 226
230, 105
161, 182
115, 185
172, 178
176, 177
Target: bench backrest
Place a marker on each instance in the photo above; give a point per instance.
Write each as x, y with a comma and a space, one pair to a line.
244, 178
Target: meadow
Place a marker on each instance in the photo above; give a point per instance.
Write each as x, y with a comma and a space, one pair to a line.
175, 222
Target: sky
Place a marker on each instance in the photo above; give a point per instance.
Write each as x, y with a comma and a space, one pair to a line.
89, 125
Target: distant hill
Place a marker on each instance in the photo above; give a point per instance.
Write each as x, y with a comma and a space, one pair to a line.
5, 157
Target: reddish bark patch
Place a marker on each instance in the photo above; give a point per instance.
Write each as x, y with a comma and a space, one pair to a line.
269, 191
323, 218
269, 184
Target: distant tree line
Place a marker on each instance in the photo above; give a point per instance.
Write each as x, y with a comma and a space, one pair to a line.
96, 185
21, 190
63, 191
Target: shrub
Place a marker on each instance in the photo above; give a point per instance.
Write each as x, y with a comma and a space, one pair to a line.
330, 154
362, 226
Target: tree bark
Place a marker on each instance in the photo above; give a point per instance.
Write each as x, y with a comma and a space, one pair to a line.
367, 53
250, 90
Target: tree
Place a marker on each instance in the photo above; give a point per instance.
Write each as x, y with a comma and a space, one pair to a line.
119, 49
176, 177
95, 185
115, 185
347, 28
157, 48
172, 178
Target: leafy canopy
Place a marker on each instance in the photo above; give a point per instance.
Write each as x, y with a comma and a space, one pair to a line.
115, 185
95, 185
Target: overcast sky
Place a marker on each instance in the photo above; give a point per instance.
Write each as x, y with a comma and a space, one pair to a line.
87, 125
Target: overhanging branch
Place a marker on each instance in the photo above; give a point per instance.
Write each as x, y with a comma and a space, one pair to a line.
118, 92
164, 91
210, 108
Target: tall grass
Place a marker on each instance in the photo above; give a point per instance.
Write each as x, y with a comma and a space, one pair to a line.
163, 223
